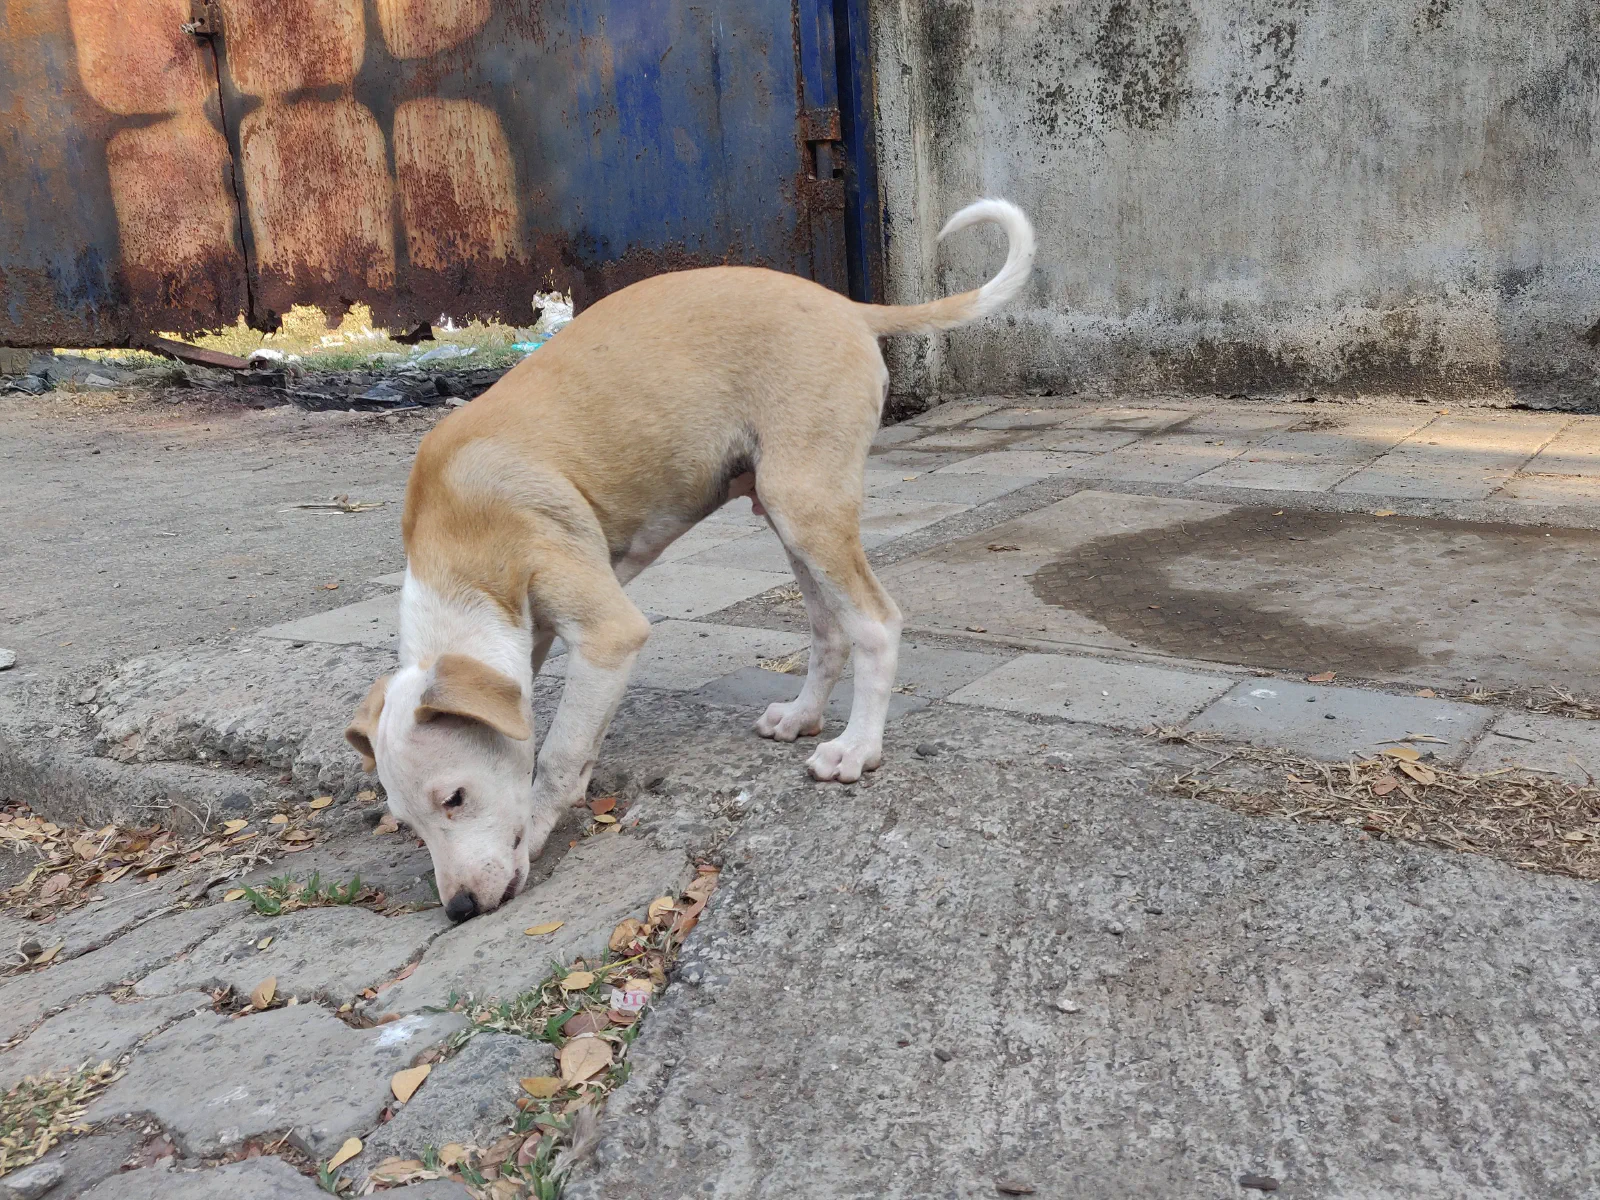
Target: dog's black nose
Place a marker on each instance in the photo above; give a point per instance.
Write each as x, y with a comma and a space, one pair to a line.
463, 905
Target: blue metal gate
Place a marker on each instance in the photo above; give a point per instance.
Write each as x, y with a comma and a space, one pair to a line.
172, 163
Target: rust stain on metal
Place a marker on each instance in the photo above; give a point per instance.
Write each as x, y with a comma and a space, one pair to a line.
457, 184
419, 28
177, 221
278, 46
321, 203
133, 56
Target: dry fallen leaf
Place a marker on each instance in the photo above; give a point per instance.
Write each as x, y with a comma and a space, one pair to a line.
977, 629
1576, 835
625, 934
1384, 785
278, 819
1418, 772
366, 796
235, 894
264, 943
231, 827
401, 1170
386, 825
541, 930
1425, 693
55, 885
701, 886
659, 908
602, 804
262, 996
351, 1148
404, 1084
49, 955
452, 1153
1384, 512
605, 819
576, 981
1001, 548
541, 1087
530, 1149
298, 835
585, 1022
1405, 753
1321, 677
320, 802
584, 1058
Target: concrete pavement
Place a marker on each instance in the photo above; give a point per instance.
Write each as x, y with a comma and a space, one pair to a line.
1012, 955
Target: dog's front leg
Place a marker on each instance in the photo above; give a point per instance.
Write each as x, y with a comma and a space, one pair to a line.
598, 665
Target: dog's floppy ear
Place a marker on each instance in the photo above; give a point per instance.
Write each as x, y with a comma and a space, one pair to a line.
364, 725
462, 686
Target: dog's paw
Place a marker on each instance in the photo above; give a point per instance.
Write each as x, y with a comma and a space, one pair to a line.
843, 760
787, 721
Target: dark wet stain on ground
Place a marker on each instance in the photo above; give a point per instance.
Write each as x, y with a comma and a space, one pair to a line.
1142, 586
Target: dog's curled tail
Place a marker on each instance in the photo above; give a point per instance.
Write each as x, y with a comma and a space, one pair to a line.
968, 306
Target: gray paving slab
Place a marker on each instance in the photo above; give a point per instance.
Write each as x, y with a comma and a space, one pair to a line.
708, 535
1016, 463
1233, 422
316, 953
1457, 457
1025, 418
93, 1031
1314, 460
1122, 419
1334, 723
963, 584
374, 622
1167, 458
752, 689
933, 672
908, 459
253, 1179
884, 518
85, 1161
1559, 745
470, 1099
216, 1081
1102, 692
606, 878
1567, 471
946, 415
687, 591
1037, 966
683, 655
753, 552
394, 579
24, 999
1077, 441
895, 435
946, 487
127, 903
967, 441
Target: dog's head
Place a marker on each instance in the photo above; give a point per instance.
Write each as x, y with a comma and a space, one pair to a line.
453, 745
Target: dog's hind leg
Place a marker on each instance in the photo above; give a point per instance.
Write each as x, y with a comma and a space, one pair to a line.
830, 649
821, 529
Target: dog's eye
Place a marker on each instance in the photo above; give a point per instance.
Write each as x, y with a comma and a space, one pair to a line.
457, 798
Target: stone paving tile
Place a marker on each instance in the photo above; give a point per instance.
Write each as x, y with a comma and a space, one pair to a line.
884, 518
1567, 471
1120, 694
1456, 458
215, 1081
1078, 441
913, 460
967, 440
254, 1179
683, 655
687, 591
397, 579
85, 1161
603, 880
1336, 722
126, 904
1175, 457
945, 486
895, 435
752, 689
471, 1099
1560, 745
933, 672
95, 1030
1129, 420
1025, 418
946, 415
325, 953
374, 622
1019, 463
1315, 460
707, 535
753, 552
26, 998
1232, 422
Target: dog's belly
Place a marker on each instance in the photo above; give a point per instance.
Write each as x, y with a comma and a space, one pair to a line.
660, 532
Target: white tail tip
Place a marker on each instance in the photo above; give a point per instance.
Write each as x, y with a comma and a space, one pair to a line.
1019, 257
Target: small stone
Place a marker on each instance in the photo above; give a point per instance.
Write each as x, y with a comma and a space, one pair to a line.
942, 1054
927, 750
236, 802
87, 695
1067, 1006
1328, 717
1260, 1183
32, 1182
8, 659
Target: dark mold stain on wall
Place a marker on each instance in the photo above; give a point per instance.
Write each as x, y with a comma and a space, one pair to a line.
1269, 73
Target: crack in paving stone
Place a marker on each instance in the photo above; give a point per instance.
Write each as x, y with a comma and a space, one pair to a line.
95, 1030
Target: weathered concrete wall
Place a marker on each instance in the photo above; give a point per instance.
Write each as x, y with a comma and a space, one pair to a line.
1257, 196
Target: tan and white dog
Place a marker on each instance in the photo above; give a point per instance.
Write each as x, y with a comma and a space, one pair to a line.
529, 509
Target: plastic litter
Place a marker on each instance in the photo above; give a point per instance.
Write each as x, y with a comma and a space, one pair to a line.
441, 353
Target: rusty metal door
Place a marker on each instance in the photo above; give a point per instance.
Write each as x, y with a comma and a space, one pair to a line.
170, 164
